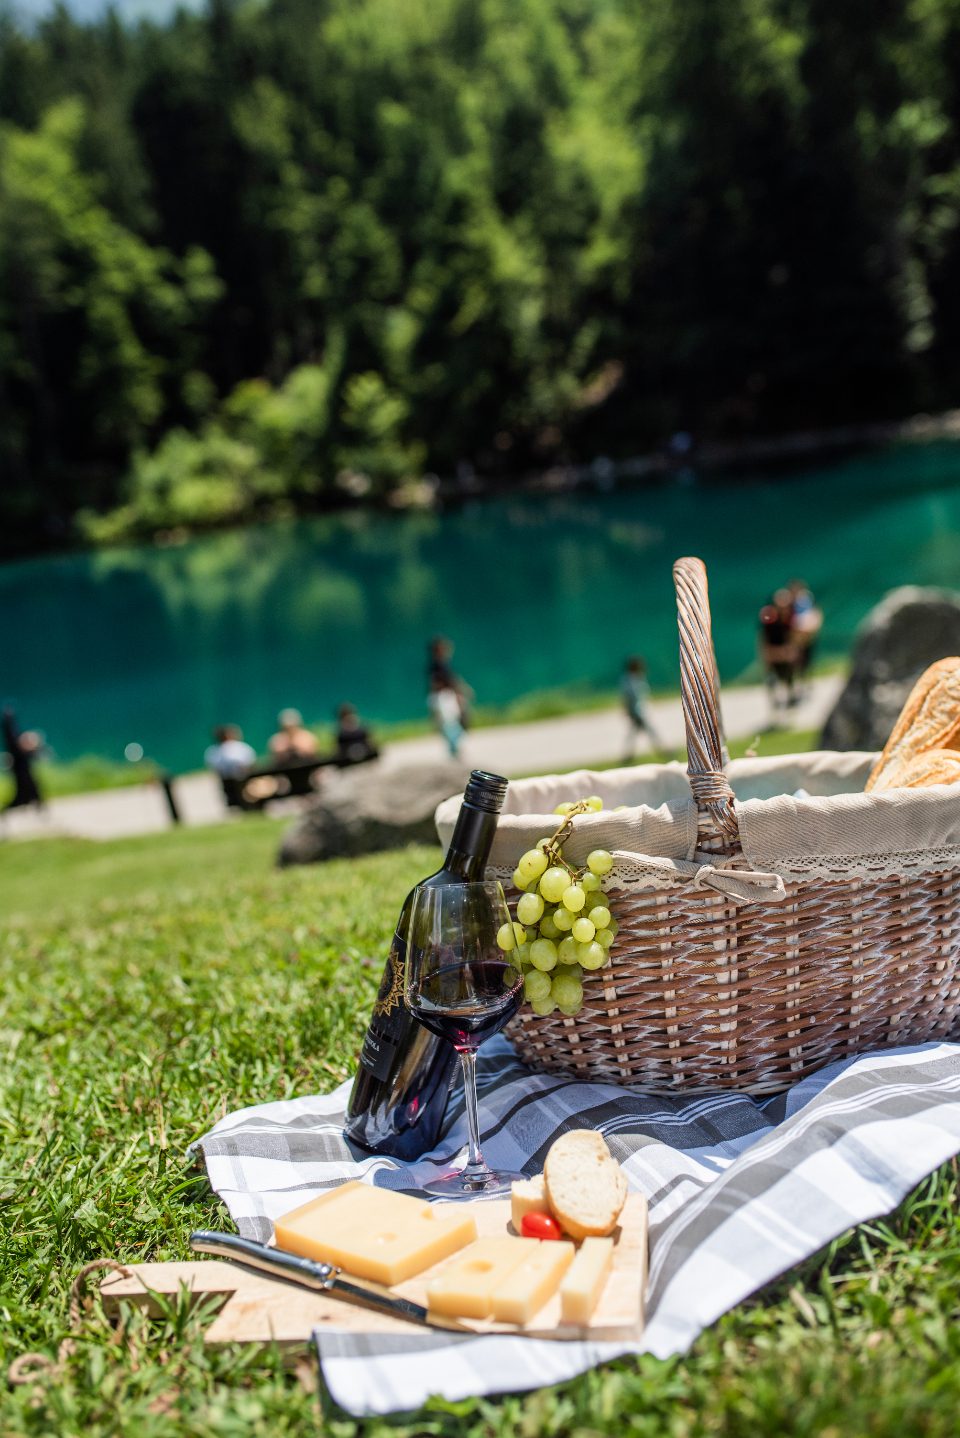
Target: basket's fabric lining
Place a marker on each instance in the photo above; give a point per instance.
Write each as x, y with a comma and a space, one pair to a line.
832, 830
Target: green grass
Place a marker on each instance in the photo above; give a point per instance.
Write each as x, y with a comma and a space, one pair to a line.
149, 986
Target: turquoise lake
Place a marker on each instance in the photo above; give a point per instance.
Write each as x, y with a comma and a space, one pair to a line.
155, 645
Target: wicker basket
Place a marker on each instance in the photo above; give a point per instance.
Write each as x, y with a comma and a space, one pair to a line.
750, 980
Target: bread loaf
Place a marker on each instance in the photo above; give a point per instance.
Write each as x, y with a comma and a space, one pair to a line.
585, 1185
930, 720
938, 766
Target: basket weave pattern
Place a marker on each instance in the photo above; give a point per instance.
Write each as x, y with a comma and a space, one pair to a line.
702, 993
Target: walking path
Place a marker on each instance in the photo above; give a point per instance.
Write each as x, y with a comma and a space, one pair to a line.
547, 746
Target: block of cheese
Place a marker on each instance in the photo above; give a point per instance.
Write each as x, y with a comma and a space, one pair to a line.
527, 1195
584, 1280
375, 1233
466, 1286
524, 1291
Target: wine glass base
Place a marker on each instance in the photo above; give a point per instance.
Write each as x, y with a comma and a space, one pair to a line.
460, 1184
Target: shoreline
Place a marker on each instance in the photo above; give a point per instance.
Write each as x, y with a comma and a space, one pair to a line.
435, 493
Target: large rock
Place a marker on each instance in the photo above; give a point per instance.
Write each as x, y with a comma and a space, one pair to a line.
359, 811
905, 633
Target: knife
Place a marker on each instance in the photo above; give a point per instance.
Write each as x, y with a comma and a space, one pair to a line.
322, 1277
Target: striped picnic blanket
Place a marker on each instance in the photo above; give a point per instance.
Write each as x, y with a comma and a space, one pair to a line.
739, 1191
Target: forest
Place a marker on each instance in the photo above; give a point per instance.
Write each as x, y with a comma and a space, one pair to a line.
277, 256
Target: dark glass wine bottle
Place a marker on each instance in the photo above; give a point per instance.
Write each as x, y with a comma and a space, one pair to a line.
400, 1092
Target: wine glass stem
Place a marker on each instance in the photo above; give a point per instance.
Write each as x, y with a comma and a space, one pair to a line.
468, 1059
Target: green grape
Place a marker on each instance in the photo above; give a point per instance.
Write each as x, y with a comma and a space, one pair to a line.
568, 1012
548, 926
595, 802
574, 969
529, 908
530, 934
563, 810
573, 898
519, 933
567, 950
543, 954
532, 864
506, 938
543, 1007
590, 882
600, 862
600, 916
591, 956
613, 926
518, 881
566, 989
553, 884
543, 844
583, 930
511, 976
536, 985
605, 939
563, 919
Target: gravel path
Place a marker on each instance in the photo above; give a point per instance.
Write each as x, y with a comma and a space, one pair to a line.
547, 746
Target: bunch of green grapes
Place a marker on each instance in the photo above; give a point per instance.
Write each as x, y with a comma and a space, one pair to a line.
563, 923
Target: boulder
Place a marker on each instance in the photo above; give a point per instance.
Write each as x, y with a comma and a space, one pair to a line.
359, 811
906, 632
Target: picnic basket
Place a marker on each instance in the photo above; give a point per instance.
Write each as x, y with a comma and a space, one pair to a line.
773, 917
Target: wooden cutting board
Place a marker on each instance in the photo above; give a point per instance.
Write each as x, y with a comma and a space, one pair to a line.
251, 1308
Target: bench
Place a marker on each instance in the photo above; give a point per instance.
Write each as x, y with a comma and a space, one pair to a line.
293, 778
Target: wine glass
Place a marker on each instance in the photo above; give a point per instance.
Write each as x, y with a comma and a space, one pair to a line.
460, 986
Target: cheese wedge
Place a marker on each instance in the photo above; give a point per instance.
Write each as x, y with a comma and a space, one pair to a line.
528, 1195
466, 1286
524, 1291
375, 1233
585, 1279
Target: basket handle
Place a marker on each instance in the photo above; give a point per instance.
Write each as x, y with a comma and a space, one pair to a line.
707, 755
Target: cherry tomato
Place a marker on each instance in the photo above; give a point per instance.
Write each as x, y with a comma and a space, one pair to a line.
539, 1225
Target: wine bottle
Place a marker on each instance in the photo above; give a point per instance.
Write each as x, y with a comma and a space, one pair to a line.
400, 1092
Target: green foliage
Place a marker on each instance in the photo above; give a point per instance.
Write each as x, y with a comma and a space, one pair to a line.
150, 985
340, 246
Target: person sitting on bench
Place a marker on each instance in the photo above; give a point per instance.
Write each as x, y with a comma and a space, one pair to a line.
229, 755
292, 741
354, 744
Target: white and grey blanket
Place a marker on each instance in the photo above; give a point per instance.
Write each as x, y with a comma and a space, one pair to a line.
739, 1191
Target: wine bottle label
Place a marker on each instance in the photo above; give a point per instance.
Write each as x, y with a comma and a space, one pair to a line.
378, 1053
390, 993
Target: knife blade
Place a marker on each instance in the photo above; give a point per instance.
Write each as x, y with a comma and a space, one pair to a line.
321, 1277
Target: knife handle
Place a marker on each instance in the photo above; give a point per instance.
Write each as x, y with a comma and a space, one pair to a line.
268, 1260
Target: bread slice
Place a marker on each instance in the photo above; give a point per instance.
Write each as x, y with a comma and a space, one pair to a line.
585, 1185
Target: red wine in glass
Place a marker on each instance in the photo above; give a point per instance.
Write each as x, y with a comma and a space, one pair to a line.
468, 1019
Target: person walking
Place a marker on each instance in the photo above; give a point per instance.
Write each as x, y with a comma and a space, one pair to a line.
24, 750
635, 693
444, 704
441, 675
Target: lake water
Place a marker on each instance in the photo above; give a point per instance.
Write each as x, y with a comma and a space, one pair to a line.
155, 645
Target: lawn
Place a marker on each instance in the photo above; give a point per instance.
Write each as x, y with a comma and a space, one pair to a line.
149, 986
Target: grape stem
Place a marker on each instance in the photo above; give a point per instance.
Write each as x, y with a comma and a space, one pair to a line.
554, 847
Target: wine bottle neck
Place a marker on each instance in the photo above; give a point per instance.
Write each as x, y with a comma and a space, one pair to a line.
471, 843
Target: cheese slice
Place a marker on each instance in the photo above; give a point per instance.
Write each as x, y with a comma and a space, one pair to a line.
466, 1286
528, 1195
585, 1279
524, 1291
375, 1233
